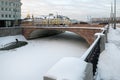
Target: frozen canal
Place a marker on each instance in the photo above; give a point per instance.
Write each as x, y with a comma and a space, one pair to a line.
32, 61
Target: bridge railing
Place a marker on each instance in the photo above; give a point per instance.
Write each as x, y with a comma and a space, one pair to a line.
93, 52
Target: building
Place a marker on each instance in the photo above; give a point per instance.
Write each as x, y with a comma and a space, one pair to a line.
104, 20
47, 20
100, 20
10, 12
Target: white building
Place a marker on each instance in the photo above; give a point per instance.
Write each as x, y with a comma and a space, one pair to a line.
10, 12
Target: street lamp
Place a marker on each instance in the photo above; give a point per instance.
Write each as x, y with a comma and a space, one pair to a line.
114, 14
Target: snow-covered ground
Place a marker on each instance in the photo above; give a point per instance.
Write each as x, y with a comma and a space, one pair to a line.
109, 61
32, 61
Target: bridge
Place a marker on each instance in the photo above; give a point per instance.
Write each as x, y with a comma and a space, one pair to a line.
85, 32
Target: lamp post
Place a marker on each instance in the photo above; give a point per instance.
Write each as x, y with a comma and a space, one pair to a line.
111, 15
114, 14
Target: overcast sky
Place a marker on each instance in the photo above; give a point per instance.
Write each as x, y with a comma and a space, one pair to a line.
74, 9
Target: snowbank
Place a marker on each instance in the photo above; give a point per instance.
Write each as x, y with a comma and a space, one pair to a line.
114, 36
108, 65
70, 68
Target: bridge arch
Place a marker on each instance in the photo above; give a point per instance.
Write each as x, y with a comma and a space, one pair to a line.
86, 33
42, 33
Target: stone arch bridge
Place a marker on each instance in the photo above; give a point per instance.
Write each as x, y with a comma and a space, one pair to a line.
85, 32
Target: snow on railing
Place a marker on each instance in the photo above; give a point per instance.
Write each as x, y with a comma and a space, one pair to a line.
93, 52
90, 48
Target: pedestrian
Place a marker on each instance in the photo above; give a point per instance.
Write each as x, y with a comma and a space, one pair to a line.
16, 40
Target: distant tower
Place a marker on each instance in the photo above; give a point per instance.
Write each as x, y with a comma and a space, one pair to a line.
32, 19
32, 16
28, 16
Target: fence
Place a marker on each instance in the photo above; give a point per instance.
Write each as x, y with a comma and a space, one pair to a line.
92, 54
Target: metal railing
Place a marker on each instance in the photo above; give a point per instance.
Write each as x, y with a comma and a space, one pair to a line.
93, 52
94, 55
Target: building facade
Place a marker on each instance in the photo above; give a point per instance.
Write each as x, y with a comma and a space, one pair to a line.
104, 20
47, 20
10, 12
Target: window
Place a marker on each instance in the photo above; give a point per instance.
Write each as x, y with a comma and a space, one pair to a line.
9, 9
2, 15
2, 9
6, 15
14, 16
5, 3
9, 16
9, 3
2, 2
15, 10
5, 9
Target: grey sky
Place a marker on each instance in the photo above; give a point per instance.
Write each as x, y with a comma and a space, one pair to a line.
75, 9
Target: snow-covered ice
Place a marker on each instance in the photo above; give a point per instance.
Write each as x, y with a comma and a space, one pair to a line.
109, 65
61, 71
8, 39
32, 61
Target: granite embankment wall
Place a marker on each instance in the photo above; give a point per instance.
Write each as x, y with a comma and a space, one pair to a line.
10, 31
